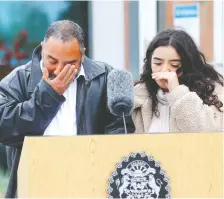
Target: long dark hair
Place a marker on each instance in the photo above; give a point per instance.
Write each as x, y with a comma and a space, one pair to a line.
198, 75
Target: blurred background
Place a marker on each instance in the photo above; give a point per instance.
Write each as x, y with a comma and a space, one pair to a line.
116, 32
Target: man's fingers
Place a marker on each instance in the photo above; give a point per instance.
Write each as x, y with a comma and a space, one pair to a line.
45, 75
68, 74
63, 73
72, 76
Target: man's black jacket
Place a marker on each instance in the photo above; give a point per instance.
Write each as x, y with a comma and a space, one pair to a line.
28, 104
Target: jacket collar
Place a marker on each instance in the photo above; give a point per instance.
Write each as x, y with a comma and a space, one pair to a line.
91, 69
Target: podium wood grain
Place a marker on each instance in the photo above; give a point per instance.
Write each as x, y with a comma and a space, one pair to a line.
79, 166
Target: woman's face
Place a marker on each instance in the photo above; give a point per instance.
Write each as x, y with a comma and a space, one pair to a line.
165, 59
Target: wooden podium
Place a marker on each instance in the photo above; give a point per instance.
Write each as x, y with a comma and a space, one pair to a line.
80, 166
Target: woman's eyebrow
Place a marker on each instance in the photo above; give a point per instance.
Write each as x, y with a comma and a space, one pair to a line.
157, 58
175, 60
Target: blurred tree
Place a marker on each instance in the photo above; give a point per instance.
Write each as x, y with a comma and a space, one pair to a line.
31, 18
35, 23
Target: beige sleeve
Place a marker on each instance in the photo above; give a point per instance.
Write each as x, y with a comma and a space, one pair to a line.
138, 121
191, 115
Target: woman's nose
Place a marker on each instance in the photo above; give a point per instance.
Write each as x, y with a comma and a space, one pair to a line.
166, 68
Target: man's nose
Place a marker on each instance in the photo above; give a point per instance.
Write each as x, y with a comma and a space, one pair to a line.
58, 69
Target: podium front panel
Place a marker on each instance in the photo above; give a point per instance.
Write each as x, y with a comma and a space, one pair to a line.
80, 166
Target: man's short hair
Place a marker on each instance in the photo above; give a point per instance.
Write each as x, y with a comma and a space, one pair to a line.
65, 30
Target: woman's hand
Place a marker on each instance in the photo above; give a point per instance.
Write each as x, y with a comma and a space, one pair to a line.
170, 79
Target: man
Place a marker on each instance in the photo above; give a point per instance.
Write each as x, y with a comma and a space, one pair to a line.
60, 92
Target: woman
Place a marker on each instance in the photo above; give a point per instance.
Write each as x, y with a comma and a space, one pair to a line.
178, 90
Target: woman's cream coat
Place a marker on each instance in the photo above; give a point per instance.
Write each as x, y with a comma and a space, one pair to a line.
187, 111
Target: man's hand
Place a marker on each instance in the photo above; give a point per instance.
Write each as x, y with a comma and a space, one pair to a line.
63, 79
170, 78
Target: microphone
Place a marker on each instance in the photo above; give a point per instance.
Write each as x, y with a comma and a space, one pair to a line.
120, 93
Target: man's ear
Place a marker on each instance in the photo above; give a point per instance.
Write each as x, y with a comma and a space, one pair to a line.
42, 48
83, 54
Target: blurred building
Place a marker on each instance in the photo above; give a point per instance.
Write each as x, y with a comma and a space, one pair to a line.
123, 37
117, 32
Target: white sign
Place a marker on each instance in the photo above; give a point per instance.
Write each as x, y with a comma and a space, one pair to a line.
188, 17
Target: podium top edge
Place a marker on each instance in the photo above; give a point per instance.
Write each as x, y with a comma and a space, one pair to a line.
132, 134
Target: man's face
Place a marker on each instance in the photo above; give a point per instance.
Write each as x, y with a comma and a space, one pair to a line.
56, 54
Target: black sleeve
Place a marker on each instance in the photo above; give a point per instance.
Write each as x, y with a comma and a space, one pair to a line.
116, 125
19, 119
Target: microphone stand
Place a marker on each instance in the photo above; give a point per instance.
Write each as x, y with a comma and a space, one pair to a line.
125, 128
